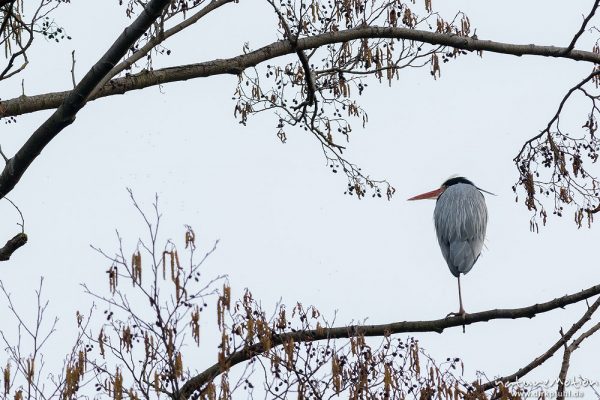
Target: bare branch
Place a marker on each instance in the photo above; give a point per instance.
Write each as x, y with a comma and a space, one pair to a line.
22, 223
583, 25
197, 382
73, 68
566, 97
308, 73
235, 65
12, 245
76, 99
541, 359
562, 376
156, 40
551, 148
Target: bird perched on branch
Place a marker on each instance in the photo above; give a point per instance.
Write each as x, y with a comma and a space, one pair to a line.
460, 218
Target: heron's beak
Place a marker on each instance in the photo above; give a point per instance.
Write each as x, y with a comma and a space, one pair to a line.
434, 194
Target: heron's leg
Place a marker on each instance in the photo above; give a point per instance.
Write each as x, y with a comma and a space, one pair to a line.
461, 310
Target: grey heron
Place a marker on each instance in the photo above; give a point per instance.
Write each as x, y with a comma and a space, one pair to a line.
460, 219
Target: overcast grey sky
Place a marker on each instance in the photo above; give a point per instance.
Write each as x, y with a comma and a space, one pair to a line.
286, 228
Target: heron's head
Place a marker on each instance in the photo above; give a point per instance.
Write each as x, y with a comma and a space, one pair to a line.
434, 194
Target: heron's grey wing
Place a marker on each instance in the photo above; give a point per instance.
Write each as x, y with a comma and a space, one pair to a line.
464, 254
460, 222
445, 247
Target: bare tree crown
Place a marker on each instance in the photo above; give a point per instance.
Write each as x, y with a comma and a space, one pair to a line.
311, 80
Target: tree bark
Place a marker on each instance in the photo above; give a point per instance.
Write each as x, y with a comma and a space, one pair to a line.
12, 245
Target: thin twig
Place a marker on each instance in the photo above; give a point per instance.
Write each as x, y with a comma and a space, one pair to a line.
22, 224
73, 68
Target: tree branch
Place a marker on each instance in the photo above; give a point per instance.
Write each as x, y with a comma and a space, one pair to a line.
77, 98
199, 381
235, 65
309, 77
541, 359
582, 28
144, 50
562, 376
12, 245
556, 116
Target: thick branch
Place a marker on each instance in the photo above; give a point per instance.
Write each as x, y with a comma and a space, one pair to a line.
199, 381
77, 98
235, 65
12, 245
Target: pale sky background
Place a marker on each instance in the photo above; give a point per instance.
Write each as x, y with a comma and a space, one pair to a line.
286, 228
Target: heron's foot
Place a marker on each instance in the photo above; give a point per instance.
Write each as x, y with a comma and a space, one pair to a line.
460, 313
